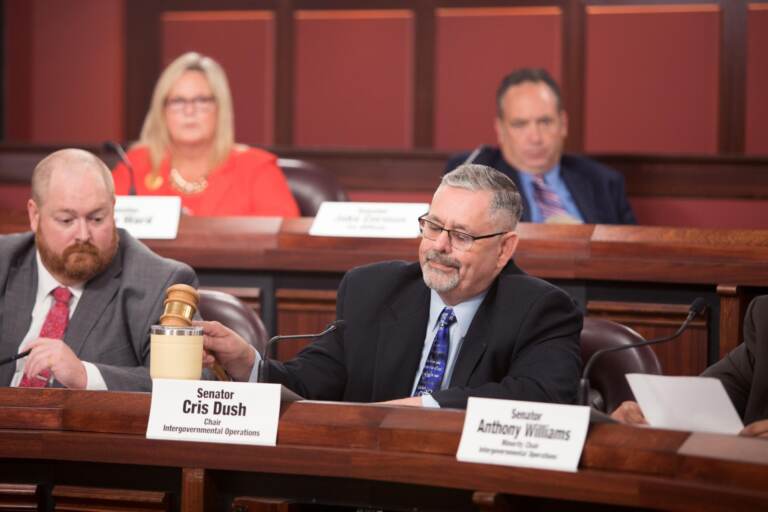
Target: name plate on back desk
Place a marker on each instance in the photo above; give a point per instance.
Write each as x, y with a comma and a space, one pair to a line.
368, 220
149, 217
214, 412
524, 434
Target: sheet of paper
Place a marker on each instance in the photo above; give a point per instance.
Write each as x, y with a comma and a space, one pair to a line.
696, 404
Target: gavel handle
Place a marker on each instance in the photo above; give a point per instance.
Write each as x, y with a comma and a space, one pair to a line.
220, 372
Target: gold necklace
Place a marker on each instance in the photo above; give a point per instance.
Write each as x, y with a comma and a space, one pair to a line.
187, 187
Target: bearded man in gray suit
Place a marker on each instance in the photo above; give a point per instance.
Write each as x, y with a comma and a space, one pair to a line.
113, 285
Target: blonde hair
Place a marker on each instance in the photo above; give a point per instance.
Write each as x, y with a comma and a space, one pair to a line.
154, 132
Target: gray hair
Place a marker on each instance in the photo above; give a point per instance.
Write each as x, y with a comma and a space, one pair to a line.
69, 157
506, 198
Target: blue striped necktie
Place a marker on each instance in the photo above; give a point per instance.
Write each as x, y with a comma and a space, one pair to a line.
547, 200
434, 368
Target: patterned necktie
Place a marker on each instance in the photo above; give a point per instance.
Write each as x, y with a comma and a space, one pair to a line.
434, 368
54, 326
547, 200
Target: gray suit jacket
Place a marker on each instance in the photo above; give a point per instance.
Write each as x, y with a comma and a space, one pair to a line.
744, 370
110, 326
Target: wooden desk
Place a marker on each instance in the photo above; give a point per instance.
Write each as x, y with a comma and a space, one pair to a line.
644, 277
383, 456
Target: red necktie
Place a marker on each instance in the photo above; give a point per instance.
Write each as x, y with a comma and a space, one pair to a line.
54, 326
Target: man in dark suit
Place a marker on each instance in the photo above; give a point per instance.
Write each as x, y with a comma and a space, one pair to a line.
78, 292
743, 372
531, 126
464, 321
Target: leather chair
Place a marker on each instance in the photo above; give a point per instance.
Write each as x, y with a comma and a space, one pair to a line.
310, 185
230, 311
608, 386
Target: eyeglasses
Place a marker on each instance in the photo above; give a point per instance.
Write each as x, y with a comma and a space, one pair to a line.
198, 103
459, 239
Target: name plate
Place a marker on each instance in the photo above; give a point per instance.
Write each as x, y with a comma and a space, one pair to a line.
368, 220
524, 434
149, 217
214, 412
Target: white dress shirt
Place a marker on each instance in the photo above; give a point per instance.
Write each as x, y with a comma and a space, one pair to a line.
46, 283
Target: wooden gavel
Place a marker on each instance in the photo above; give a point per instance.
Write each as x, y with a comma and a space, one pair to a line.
181, 302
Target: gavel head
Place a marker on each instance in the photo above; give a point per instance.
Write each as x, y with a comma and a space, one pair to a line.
180, 305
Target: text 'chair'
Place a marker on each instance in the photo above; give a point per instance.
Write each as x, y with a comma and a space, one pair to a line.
310, 185
609, 386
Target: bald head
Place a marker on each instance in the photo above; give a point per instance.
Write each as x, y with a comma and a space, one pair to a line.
69, 163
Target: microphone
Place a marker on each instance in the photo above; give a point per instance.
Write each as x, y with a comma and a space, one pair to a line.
116, 148
264, 369
474, 154
697, 307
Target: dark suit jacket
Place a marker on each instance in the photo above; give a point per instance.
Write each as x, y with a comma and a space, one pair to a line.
744, 371
522, 344
110, 326
597, 190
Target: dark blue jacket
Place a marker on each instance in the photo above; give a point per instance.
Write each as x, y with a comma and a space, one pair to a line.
597, 190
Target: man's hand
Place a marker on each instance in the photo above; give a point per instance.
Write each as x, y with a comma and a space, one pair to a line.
224, 345
629, 412
56, 356
413, 401
756, 429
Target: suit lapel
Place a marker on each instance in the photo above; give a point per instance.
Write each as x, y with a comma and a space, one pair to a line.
98, 293
20, 293
475, 343
581, 193
400, 343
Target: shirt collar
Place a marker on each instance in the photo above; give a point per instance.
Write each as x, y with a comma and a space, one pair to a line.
464, 312
46, 283
550, 177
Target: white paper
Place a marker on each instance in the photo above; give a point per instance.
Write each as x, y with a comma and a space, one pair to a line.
695, 404
523, 434
215, 412
368, 220
149, 217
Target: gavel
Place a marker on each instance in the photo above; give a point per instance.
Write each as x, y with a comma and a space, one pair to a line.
181, 302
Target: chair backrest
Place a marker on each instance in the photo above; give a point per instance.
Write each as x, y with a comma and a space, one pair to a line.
609, 387
310, 185
230, 311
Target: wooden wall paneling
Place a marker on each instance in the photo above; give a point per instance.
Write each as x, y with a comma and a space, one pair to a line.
475, 48
354, 78
302, 312
756, 118
572, 85
733, 305
70, 86
652, 78
17, 91
142, 62
197, 493
733, 71
88, 499
18, 497
284, 77
424, 79
686, 355
243, 42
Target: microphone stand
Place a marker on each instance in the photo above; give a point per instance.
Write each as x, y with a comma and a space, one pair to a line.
697, 307
118, 150
264, 367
